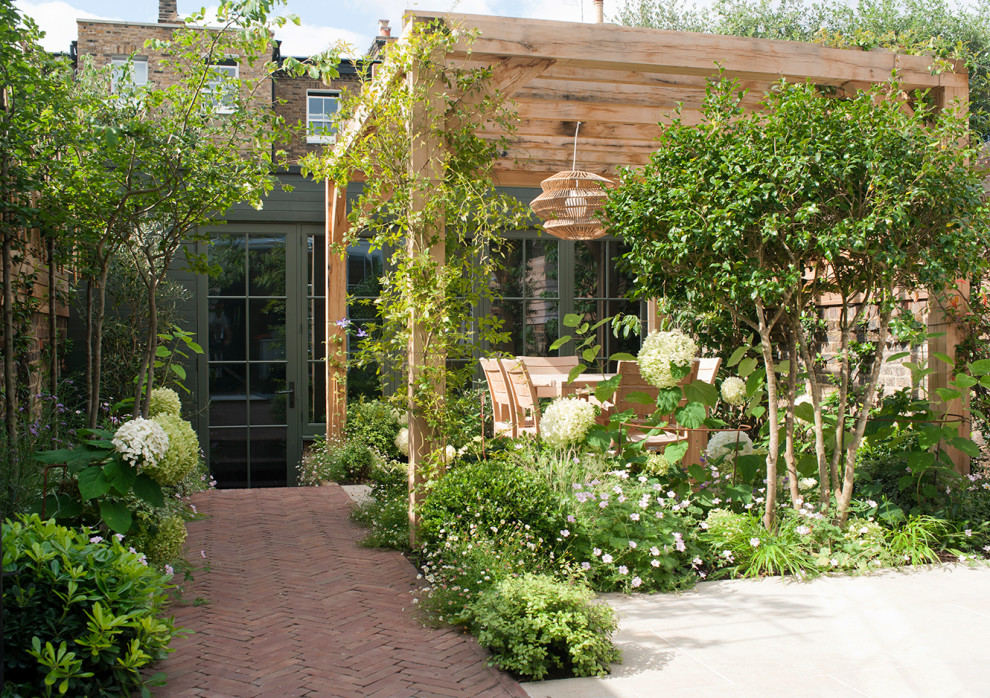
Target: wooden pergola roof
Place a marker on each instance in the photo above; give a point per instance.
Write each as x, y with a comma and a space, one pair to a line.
620, 83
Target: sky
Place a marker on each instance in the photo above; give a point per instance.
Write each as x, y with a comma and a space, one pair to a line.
323, 22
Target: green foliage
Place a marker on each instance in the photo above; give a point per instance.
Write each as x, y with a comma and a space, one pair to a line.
916, 542
445, 207
183, 451
386, 513
344, 462
490, 494
631, 533
375, 424
536, 626
81, 615
929, 27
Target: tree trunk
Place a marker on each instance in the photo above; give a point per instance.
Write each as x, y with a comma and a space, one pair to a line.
9, 364
770, 507
96, 340
845, 496
146, 374
52, 320
790, 459
824, 486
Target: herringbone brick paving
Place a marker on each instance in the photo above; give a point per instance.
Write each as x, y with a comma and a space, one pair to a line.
295, 607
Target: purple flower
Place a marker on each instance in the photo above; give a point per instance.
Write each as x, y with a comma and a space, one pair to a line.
343, 322
361, 334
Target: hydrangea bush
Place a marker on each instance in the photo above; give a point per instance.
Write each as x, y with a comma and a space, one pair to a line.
734, 391
182, 454
661, 351
566, 421
141, 442
164, 401
727, 445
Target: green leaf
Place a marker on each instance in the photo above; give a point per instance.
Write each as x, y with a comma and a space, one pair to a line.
692, 415
807, 465
947, 394
805, 411
943, 357
178, 370
746, 366
963, 381
621, 356
92, 483
116, 515
981, 367
985, 381
162, 352
668, 399
919, 461
572, 320
638, 397
904, 482
749, 466
965, 445
560, 342
121, 475
700, 391
737, 356
590, 354
606, 389
899, 355
675, 452
575, 372
149, 490
697, 472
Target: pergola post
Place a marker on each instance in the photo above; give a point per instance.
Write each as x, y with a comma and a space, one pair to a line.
940, 322
336, 309
426, 236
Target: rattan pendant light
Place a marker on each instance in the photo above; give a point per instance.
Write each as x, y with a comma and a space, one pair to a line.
571, 201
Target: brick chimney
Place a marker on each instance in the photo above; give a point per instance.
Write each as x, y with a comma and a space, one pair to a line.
384, 29
168, 11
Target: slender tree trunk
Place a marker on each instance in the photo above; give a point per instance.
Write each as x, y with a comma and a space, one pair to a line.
770, 507
790, 458
52, 320
844, 387
824, 486
89, 348
146, 374
97, 339
849, 476
9, 364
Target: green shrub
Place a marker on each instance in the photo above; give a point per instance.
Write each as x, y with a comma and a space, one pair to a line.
536, 626
183, 450
374, 424
80, 613
490, 494
386, 514
338, 461
627, 533
743, 546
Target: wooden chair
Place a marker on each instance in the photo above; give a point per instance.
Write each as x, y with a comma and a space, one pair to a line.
559, 366
498, 387
633, 382
525, 404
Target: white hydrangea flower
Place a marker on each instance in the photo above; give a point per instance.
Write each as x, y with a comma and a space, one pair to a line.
660, 350
402, 441
141, 441
566, 421
723, 443
449, 453
734, 390
164, 401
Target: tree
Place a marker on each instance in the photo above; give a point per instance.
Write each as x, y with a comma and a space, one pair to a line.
160, 162
931, 27
812, 193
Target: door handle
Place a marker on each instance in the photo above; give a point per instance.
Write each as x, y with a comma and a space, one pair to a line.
291, 392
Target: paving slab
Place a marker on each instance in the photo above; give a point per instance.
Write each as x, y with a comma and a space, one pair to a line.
921, 632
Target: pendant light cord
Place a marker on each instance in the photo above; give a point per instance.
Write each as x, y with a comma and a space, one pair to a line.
574, 162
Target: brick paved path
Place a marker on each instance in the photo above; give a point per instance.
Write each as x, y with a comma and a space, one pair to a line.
297, 608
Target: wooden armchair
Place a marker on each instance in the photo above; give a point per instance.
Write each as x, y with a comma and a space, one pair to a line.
498, 387
525, 404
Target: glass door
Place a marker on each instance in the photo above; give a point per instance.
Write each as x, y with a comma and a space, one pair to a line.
252, 381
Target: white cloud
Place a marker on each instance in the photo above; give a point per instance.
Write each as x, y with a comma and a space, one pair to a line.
308, 39
58, 19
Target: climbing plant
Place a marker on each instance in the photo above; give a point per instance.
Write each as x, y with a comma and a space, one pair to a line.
411, 135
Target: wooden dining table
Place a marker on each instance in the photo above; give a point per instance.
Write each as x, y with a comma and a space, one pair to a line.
556, 385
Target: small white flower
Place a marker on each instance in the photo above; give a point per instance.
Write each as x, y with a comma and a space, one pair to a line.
654, 551
803, 530
632, 544
623, 569
655, 562
833, 562
402, 441
755, 542
606, 558
968, 532
596, 552
636, 581
586, 565
565, 533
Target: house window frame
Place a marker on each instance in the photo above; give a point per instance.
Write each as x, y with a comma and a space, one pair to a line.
220, 91
320, 138
119, 63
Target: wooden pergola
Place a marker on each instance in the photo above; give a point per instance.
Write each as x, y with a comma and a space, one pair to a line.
620, 83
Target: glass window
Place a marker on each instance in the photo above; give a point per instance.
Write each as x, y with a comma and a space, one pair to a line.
320, 109
127, 73
221, 88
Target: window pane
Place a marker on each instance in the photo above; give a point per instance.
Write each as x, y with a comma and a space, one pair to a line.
266, 265
267, 338
542, 326
227, 329
507, 281
227, 252
228, 457
228, 394
541, 269
511, 315
268, 397
590, 262
268, 447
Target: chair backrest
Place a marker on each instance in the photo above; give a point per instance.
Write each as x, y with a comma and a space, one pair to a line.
549, 364
526, 406
632, 381
708, 368
499, 389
